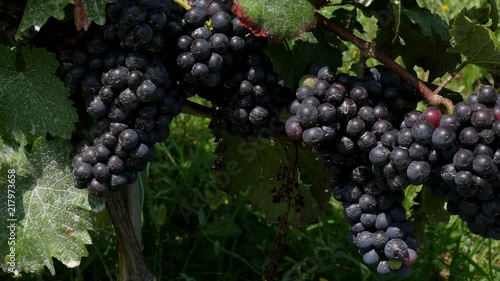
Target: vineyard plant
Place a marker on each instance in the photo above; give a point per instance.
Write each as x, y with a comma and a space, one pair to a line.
249, 140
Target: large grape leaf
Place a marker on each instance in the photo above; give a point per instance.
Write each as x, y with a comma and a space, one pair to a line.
37, 12
478, 43
34, 100
258, 168
51, 216
423, 40
278, 20
291, 58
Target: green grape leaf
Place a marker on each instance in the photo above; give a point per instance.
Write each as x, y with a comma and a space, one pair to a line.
494, 14
411, 192
257, 168
51, 218
34, 100
277, 20
96, 10
477, 43
480, 15
291, 58
418, 30
37, 12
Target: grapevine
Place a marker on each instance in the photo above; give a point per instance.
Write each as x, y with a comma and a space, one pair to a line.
288, 114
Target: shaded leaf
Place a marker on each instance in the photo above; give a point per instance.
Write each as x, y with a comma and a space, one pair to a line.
254, 168
423, 41
478, 43
291, 58
432, 208
52, 217
396, 10
37, 12
34, 100
277, 20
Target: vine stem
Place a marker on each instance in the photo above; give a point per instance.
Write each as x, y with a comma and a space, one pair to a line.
183, 4
136, 265
368, 49
449, 78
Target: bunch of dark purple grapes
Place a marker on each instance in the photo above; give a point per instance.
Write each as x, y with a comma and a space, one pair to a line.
347, 120
225, 64
468, 146
379, 227
129, 94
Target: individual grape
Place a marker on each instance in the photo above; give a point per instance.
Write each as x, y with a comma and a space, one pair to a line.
352, 212
118, 180
422, 132
418, 172
390, 139
312, 101
371, 257
483, 165
469, 137
82, 172
400, 158
383, 268
355, 127
368, 219
98, 189
383, 221
221, 21
117, 77
101, 172
463, 160
128, 139
432, 115
95, 107
307, 115
379, 155
379, 239
487, 95
482, 119
347, 109
326, 113
195, 16
451, 121
463, 112
313, 136
367, 141
396, 249
364, 241
259, 115
443, 137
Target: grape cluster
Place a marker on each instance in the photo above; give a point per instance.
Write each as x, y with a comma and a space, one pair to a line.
352, 123
350, 112
226, 65
467, 143
378, 223
129, 94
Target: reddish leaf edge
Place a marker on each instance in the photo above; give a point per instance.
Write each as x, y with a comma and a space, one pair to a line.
257, 30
